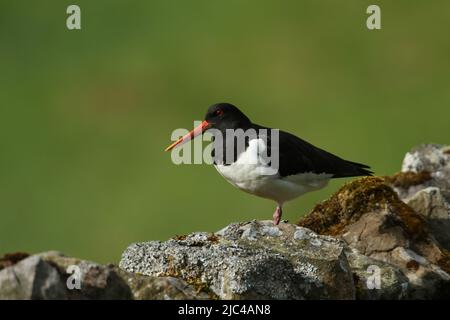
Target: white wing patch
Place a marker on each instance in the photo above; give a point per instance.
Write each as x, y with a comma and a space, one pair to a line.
250, 173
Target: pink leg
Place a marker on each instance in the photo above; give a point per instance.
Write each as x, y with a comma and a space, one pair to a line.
277, 215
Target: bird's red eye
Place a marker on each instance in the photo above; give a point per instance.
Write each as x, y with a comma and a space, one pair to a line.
218, 112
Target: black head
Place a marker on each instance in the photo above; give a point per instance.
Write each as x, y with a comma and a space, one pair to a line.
220, 116
226, 116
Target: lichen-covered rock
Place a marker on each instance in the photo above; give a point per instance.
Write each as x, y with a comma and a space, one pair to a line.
110, 282
408, 183
375, 279
370, 217
45, 276
427, 157
97, 281
430, 160
356, 198
161, 288
250, 260
431, 204
426, 280
375, 238
380, 236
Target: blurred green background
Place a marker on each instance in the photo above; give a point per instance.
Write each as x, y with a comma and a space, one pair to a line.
85, 115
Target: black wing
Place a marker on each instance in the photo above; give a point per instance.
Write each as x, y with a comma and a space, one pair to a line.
299, 156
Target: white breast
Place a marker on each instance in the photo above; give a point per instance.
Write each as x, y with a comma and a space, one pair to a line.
250, 174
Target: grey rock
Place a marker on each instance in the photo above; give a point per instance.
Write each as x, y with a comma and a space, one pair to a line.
381, 236
97, 281
375, 232
31, 278
369, 216
407, 275
45, 276
431, 158
431, 204
426, 280
375, 279
426, 157
384, 245
162, 288
250, 260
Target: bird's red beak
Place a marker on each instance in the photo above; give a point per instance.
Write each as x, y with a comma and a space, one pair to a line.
191, 135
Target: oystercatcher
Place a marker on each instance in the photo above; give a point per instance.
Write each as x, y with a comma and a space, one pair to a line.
301, 167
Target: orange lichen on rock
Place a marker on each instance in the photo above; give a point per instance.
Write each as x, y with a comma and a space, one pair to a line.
351, 201
408, 179
444, 261
179, 237
11, 259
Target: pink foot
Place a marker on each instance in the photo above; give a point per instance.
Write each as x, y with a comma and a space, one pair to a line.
277, 215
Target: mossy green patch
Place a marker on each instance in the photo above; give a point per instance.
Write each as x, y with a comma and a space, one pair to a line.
408, 179
180, 237
213, 238
351, 201
175, 271
444, 261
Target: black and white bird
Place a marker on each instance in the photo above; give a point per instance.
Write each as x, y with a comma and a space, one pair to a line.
301, 167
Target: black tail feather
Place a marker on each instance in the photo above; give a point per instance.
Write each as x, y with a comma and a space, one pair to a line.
355, 169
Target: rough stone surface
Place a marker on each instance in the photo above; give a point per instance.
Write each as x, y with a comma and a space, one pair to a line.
375, 238
431, 204
97, 281
161, 288
250, 260
431, 158
380, 236
45, 276
31, 278
355, 199
370, 217
427, 157
11, 259
392, 283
